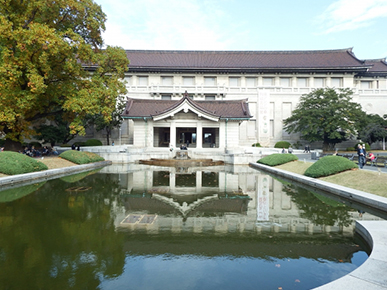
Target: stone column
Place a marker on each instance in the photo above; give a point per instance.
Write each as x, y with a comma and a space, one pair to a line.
199, 135
173, 134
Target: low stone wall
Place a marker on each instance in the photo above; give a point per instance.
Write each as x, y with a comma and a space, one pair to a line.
28, 178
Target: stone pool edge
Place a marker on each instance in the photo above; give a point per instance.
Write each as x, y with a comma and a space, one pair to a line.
49, 174
371, 274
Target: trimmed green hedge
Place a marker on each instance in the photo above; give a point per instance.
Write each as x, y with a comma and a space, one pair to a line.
12, 163
282, 144
93, 142
277, 159
329, 165
256, 145
80, 157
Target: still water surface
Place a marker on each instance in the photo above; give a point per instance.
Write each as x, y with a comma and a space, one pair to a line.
174, 228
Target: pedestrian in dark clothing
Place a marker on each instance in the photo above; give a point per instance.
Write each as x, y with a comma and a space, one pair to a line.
361, 153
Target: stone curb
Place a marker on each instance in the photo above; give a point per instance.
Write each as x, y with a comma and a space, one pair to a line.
27, 178
371, 274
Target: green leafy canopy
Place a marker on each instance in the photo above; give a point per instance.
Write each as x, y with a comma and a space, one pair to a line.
44, 48
327, 115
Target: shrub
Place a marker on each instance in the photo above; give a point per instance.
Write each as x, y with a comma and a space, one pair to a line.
350, 149
297, 145
256, 145
93, 142
80, 157
12, 163
277, 159
80, 144
329, 165
282, 144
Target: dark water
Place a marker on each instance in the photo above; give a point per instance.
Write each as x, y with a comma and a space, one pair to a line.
156, 228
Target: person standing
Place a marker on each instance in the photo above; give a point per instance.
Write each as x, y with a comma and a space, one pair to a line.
361, 156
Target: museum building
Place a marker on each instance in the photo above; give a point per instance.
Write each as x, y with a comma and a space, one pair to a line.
227, 99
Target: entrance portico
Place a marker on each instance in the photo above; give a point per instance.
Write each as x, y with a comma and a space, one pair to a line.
197, 124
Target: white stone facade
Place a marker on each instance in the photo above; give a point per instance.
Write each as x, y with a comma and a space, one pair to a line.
283, 91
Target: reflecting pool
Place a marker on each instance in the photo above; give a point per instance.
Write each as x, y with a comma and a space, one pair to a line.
148, 227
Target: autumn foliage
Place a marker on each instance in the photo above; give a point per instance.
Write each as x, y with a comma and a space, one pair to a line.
48, 49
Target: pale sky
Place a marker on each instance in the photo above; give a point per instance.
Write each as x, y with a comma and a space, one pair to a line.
248, 25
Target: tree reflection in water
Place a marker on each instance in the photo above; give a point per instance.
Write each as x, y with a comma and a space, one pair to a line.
65, 235
58, 239
320, 210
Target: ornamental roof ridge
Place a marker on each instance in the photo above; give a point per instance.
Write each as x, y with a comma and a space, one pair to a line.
349, 50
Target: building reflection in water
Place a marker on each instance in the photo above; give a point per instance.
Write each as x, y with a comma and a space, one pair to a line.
223, 199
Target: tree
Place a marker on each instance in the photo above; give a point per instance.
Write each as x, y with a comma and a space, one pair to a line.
116, 120
45, 46
57, 132
373, 129
327, 115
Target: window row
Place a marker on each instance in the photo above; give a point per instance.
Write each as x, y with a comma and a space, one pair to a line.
302, 82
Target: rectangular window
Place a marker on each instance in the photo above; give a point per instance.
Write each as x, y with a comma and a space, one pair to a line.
142, 80
366, 84
268, 82
209, 97
167, 81
234, 81
336, 82
319, 82
189, 81
251, 82
302, 82
166, 97
285, 82
210, 81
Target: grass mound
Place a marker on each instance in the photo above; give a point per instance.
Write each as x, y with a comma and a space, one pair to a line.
80, 157
329, 165
12, 163
277, 159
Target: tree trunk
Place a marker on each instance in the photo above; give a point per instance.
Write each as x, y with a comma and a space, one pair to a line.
107, 136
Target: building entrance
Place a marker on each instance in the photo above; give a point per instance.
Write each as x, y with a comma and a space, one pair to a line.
186, 136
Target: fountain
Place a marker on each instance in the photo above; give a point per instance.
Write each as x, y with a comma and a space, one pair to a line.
181, 159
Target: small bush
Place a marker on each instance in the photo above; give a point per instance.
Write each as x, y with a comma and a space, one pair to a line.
93, 142
329, 165
256, 145
277, 159
81, 144
350, 149
12, 163
80, 157
282, 144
